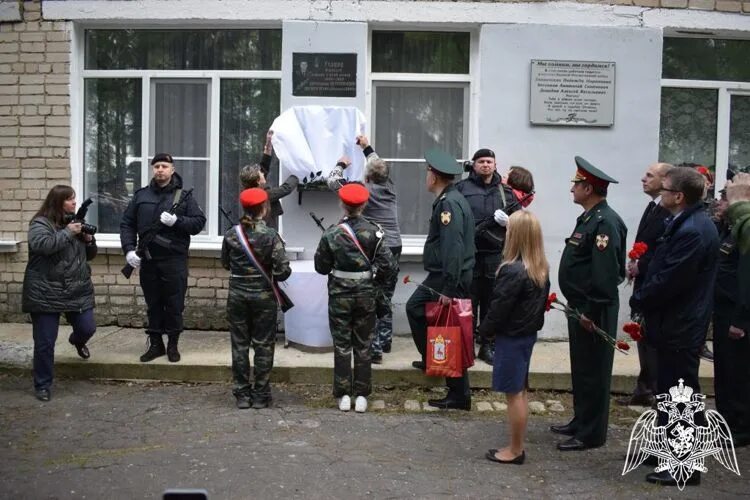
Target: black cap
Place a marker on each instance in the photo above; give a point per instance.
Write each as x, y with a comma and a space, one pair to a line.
162, 157
483, 153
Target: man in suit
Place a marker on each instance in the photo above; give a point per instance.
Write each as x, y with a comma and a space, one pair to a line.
677, 294
650, 229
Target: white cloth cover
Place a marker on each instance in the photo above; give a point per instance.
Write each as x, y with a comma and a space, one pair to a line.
307, 322
311, 139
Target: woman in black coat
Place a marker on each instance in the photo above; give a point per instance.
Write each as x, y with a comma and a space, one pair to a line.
515, 315
58, 281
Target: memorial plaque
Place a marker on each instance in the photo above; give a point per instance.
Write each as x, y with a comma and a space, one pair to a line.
324, 75
573, 93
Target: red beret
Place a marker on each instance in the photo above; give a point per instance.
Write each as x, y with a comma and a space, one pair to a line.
354, 194
253, 196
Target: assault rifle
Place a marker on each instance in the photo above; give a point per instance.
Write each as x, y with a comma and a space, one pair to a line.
318, 221
487, 227
151, 233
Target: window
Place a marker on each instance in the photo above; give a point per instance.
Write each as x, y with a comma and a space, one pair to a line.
705, 104
420, 88
205, 96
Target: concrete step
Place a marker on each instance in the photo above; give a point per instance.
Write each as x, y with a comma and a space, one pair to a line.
206, 357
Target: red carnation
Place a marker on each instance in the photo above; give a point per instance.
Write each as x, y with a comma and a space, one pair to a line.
633, 329
550, 300
406, 279
639, 248
621, 344
703, 170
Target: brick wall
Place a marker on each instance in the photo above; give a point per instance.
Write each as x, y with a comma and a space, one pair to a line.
35, 155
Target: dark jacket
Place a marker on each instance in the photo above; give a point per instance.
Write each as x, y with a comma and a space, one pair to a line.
276, 193
650, 229
449, 248
484, 199
517, 304
145, 208
58, 276
677, 294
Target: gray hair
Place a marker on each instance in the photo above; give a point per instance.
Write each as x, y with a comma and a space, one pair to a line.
376, 170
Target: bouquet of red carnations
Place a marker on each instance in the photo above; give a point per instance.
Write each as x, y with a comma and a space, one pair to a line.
635, 253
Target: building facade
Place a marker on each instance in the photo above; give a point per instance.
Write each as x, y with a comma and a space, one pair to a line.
90, 90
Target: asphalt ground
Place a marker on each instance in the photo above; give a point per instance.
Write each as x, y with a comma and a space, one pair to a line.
117, 440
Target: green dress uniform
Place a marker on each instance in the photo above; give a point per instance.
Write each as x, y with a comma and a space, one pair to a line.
591, 268
448, 258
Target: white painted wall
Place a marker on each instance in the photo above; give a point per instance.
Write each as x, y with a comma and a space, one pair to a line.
623, 151
315, 36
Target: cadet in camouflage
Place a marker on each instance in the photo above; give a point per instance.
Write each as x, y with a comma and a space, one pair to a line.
353, 256
251, 305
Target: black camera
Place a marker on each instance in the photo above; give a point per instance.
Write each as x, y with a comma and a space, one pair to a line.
468, 166
80, 216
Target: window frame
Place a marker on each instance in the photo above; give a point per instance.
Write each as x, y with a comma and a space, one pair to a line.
211, 240
413, 244
725, 90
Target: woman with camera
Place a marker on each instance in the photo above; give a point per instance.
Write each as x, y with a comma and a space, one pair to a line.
58, 281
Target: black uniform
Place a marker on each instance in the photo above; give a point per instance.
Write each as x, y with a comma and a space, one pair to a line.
164, 276
448, 259
732, 356
484, 199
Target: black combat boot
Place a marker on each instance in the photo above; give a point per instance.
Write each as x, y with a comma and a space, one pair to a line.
155, 349
486, 354
172, 353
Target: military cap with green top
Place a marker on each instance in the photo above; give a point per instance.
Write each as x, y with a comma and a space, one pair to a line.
442, 162
588, 173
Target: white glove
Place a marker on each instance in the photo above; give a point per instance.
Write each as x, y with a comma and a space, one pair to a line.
168, 219
132, 258
501, 217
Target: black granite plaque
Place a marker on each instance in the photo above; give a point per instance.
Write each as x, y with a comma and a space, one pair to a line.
324, 75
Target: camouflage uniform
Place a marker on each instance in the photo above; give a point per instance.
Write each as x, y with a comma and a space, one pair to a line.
351, 302
251, 305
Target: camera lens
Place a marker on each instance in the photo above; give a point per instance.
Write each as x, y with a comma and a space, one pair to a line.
88, 228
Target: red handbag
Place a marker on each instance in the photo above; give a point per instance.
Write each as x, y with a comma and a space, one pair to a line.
458, 314
443, 347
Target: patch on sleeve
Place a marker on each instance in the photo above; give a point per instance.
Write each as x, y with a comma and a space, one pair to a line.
602, 240
445, 218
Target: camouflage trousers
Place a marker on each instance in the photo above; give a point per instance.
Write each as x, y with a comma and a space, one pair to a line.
352, 321
384, 323
252, 322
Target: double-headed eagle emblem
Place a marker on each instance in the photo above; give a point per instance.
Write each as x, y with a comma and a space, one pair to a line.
681, 446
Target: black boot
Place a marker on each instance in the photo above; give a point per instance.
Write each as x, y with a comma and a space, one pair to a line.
155, 349
172, 353
486, 354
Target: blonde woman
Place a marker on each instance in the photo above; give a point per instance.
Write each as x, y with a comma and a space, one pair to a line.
515, 315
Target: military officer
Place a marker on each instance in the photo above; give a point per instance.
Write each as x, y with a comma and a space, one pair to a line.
251, 306
357, 262
591, 268
449, 261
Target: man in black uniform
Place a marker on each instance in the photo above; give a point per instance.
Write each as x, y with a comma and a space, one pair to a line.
487, 195
448, 259
731, 328
591, 268
163, 277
